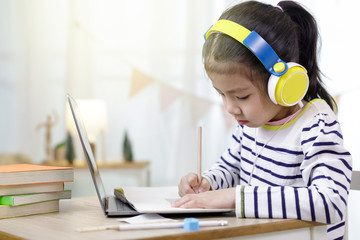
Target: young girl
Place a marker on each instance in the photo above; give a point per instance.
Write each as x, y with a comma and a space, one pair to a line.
287, 158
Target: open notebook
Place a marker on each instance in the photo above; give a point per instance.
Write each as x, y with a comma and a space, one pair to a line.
135, 200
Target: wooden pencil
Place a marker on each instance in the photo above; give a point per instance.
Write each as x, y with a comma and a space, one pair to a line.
199, 153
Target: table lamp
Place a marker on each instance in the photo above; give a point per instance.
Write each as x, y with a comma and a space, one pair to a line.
94, 116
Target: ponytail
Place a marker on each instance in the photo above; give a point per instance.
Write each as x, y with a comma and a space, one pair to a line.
308, 37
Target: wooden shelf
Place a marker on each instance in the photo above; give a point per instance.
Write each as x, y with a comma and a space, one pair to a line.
135, 165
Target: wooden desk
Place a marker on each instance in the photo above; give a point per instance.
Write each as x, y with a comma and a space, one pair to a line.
86, 211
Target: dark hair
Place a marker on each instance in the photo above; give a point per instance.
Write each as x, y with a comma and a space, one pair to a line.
289, 29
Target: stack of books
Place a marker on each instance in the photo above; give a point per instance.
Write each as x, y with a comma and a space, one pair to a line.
27, 189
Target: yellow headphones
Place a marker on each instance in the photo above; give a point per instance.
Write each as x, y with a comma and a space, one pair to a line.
288, 82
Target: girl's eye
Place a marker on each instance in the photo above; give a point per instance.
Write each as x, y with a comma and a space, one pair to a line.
242, 98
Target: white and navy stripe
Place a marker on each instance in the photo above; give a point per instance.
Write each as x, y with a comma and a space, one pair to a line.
304, 172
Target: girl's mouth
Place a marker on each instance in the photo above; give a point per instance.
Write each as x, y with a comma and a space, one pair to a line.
242, 122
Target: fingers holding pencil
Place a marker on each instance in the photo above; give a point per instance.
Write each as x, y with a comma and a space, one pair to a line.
190, 184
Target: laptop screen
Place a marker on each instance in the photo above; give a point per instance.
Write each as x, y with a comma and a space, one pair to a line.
87, 151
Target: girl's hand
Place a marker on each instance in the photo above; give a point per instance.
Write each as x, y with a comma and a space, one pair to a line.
190, 183
223, 198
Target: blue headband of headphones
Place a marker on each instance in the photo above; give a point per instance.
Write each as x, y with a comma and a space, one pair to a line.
254, 42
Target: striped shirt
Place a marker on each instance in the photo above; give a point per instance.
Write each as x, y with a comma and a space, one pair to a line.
303, 172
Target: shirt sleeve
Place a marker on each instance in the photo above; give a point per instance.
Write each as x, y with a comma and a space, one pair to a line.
326, 171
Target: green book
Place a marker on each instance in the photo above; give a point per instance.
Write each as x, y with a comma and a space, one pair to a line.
18, 200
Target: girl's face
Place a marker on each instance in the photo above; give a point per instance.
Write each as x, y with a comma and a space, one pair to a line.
249, 104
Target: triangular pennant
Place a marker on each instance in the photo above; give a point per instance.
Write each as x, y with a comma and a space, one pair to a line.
168, 95
139, 80
198, 108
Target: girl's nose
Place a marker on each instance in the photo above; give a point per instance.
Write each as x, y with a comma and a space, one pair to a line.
232, 107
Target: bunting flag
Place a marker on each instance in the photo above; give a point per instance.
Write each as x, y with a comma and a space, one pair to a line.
229, 120
198, 108
139, 81
168, 95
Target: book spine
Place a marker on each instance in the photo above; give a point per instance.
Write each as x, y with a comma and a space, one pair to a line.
31, 188
31, 209
15, 178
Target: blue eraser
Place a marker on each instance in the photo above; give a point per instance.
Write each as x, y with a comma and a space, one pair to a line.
191, 224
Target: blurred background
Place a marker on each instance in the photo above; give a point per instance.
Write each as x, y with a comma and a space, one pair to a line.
138, 64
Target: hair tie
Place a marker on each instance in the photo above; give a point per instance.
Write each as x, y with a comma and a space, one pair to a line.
277, 6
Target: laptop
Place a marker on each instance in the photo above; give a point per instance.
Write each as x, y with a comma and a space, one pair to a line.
133, 200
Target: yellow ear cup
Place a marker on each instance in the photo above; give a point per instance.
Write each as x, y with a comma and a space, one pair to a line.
290, 88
